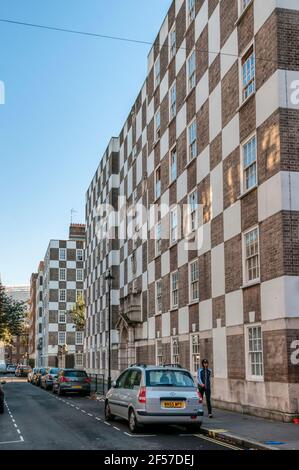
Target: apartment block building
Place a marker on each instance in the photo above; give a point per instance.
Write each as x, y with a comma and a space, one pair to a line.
32, 318
62, 284
39, 314
214, 130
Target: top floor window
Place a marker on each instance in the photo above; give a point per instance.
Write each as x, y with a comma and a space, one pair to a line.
248, 74
79, 255
191, 65
191, 10
172, 42
62, 254
249, 164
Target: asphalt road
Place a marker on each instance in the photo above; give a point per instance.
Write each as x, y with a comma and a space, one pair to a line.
38, 420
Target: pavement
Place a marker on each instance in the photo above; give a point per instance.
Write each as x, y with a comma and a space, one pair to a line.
35, 419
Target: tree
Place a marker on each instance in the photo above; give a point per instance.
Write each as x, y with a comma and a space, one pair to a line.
12, 317
78, 313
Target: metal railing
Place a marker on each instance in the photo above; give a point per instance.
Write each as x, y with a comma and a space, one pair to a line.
98, 384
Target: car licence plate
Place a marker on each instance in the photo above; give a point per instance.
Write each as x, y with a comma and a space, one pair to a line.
172, 404
77, 386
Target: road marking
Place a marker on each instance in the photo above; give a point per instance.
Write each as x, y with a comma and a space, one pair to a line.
108, 424
83, 411
13, 442
140, 435
14, 424
116, 428
89, 414
99, 419
215, 441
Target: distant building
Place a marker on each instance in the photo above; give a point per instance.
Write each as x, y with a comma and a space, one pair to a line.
39, 314
62, 284
32, 315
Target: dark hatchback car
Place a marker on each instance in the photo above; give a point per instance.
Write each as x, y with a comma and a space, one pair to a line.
72, 380
2, 397
22, 371
47, 379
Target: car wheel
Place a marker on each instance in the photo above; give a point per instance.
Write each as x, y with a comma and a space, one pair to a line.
133, 423
108, 415
59, 392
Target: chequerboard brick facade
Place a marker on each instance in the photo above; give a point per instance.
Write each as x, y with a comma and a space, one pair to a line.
232, 130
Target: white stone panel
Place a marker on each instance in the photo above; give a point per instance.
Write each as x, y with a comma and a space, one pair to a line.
139, 124
71, 285
114, 297
214, 35
165, 263
203, 164
202, 91
229, 53
53, 327
288, 4
219, 353
53, 305
150, 111
205, 315
182, 253
139, 169
279, 298
232, 221
55, 263
150, 163
201, 20
151, 328
215, 112
181, 121
53, 285
164, 88
262, 11
205, 245
218, 281
151, 272
231, 136
267, 99
183, 320
181, 187
163, 32
217, 190
178, 6
234, 308
164, 144
166, 324
144, 282
71, 245
54, 244
180, 57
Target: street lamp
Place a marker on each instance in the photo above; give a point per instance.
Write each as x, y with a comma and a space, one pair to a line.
109, 278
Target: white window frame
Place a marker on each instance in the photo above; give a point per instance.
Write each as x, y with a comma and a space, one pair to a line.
61, 343
243, 98
77, 277
173, 228
190, 11
174, 293
60, 314
79, 363
172, 101
194, 355
78, 253
158, 238
246, 280
60, 295
172, 43
175, 350
80, 334
157, 125
62, 270
249, 375
193, 211
194, 281
244, 168
192, 144
159, 349
158, 303
173, 177
62, 258
157, 72
158, 182
191, 72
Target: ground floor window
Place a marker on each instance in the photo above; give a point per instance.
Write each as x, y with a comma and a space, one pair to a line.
195, 353
159, 353
79, 360
255, 352
175, 351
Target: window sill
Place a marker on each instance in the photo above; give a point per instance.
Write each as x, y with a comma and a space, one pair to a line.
247, 192
241, 16
189, 93
193, 302
242, 105
251, 284
190, 162
171, 183
255, 379
174, 309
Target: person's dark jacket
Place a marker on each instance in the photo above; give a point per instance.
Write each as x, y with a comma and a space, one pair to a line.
204, 378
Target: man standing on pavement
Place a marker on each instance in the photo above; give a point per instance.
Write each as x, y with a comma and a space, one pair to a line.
204, 384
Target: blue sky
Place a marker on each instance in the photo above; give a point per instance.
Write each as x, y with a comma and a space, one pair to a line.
66, 95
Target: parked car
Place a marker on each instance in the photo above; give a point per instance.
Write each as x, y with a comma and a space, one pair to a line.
46, 380
72, 380
22, 371
40, 371
2, 396
2, 368
11, 368
31, 374
154, 394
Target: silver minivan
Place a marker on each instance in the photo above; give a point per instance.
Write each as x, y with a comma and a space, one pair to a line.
154, 394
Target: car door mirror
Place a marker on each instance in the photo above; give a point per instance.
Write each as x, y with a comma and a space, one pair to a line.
114, 384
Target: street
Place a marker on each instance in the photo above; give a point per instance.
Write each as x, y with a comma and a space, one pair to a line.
38, 420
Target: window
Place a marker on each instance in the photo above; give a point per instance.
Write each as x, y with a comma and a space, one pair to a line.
172, 101
191, 11
157, 72
157, 125
61, 316
62, 274
79, 275
62, 254
172, 42
158, 239
192, 211
79, 360
191, 66
255, 352
248, 74
243, 5
194, 281
251, 249
174, 289
61, 338
159, 353
175, 351
173, 225
173, 165
79, 294
249, 164
79, 337
158, 296
62, 295
195, 353
192, 147
79, 255
158, 183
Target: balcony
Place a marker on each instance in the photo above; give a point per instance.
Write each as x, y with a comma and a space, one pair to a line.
130, 307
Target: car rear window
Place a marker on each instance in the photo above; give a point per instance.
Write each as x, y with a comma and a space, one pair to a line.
75, 373
168, 378
53, 371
